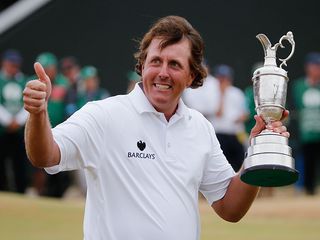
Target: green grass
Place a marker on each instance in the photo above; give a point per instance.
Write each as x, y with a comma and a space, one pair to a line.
39, 219
269, 219
261, 229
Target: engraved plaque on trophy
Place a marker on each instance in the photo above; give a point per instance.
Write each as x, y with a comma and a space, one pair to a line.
269, 161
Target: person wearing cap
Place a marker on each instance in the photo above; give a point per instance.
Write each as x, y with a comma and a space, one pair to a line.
12, 120
230, 116
146, 155
92, 90
306, 96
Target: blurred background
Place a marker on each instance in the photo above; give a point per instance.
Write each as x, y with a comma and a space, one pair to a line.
102, 33
88, 48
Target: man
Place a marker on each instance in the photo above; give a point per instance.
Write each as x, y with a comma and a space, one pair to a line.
230, 116
12, 120
307, 103
145, 154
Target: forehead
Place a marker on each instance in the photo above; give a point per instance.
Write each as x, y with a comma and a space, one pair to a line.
181, 49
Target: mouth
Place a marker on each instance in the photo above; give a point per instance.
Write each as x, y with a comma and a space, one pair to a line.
162, 86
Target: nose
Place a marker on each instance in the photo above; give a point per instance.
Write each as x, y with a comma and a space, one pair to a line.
163, 74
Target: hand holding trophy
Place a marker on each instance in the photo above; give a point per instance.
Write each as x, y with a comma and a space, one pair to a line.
269, 161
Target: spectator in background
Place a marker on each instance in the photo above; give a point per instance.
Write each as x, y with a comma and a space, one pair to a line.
230, 116
204, 99
92, 89
53, 185
12, 120
71, 70
306, 92
133, 78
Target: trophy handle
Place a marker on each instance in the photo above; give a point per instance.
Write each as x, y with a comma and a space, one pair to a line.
289, 38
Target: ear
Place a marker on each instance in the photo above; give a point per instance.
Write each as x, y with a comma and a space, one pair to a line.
142, 69
191, 79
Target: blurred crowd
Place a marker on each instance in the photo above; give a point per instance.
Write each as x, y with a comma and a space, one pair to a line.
228, 108
73, 86
231, 111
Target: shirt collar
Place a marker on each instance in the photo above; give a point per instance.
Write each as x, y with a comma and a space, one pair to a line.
142, 104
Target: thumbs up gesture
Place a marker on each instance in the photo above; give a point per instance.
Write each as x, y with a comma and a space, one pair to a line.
37, 92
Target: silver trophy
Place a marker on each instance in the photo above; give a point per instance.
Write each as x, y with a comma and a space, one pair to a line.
269, 161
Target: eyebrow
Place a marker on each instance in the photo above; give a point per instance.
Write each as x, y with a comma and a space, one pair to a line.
177, 62
155, 57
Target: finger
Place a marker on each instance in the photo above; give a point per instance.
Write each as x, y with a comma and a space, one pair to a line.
36, 85
274, 125
285, 114
35, 94
259, 122
286, 134
258, 127
280, 129
33, 102
43, 77
32, 109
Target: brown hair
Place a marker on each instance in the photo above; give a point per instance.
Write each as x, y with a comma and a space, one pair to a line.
172, 29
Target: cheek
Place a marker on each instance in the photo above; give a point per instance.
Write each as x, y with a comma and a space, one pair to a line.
149, 73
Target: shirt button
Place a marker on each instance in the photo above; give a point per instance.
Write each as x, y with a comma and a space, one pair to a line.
169, 145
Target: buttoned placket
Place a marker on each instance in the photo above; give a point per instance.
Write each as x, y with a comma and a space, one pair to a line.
169, 137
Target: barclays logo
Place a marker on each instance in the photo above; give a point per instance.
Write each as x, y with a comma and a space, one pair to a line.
141, 146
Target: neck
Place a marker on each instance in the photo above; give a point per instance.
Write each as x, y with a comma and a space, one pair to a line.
169, 114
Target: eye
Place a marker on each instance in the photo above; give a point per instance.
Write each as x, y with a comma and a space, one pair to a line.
175, 64
155, 61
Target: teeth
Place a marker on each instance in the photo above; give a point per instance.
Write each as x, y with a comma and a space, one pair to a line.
160, 86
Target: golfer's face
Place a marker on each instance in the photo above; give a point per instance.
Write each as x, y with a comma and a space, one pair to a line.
166, 73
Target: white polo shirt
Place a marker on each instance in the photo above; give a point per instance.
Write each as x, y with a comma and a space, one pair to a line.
143, 173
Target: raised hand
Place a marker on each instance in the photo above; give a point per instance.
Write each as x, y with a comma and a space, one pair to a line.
37, 92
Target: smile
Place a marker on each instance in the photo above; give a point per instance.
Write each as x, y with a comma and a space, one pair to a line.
162, 86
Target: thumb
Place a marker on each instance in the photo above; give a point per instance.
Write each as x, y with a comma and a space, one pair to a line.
258, 127
43, 77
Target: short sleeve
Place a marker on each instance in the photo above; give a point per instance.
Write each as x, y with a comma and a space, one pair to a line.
217, 173
79, 139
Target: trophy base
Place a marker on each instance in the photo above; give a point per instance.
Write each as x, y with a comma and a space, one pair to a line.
269, 175
269, 162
